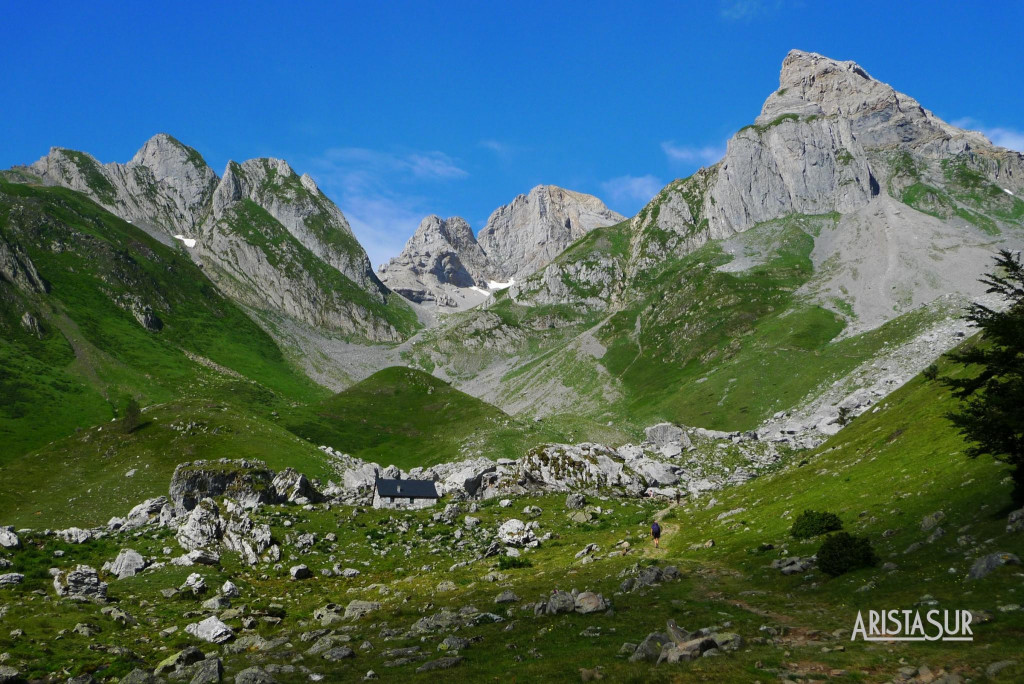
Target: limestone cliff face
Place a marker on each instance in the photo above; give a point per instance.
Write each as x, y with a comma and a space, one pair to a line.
266, 236
524, 236
830, 139
833, 140
165, 188
441, 264
444, 265
298, 204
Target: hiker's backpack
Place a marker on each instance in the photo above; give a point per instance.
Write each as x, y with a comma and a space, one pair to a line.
656, 528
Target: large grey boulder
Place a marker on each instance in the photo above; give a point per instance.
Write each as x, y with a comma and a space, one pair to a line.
249, 539
515, 532
292, 486
211, 629
588, 602
128, 563
560, 602
666, 434
8, 538
357, 609
245, 481
984, 566
80, 584
10, 579
202, 528
1015, 521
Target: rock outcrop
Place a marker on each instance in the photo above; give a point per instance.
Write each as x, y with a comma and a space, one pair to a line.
527, 234
165, 188
442, 264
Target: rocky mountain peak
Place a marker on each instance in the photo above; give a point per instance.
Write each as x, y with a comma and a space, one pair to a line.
441, 264
525, 235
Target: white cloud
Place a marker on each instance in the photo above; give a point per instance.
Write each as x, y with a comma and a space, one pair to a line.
377, 192
746, 10
708, 154
630, 189
499, 148
1009, 138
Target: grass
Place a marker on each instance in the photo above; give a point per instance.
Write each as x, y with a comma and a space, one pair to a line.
885, 471
94, 353
408, 418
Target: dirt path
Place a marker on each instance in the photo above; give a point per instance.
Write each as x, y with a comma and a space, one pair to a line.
667, 529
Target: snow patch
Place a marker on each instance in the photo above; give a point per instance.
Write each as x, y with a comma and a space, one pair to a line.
189, 242
493, 285
1007, 191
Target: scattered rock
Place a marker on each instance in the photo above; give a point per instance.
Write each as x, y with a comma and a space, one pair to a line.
127, 564
986, 564
211, 629
8, 538
575, 501
82, 584
357, 609
300, 572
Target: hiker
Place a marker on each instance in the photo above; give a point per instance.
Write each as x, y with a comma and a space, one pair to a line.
656, 534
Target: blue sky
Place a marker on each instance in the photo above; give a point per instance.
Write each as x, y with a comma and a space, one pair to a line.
404, 109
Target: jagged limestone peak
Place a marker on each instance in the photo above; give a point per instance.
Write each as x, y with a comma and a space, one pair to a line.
529, 232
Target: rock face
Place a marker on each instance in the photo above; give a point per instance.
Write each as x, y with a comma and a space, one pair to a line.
247, 482
266, 236
524, 236
8, 538
165, 189
81, 584
833, 139
444, 265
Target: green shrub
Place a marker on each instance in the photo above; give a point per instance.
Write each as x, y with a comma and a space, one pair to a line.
510, 562
842, 552
813, 523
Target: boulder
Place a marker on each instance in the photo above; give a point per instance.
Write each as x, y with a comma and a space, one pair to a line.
1015, 521
10, 579
986, 564
9, 675
229, 590
194, 584
179, 661
74, 535
8, 538
292, 486
212, 630
144, 513
357, 609
81, 584
242, 535
208, 671
445, 663
254, 675
649, 650
202, 528
300, 572
514, 532
127, 564
560, 602
930, 521
666, 434
588, 602
507, 596
575, 501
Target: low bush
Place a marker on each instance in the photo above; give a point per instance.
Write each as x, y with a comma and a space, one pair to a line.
842, 552
510, 562
814, 523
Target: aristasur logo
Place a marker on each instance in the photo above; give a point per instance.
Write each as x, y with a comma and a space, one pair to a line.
910, 625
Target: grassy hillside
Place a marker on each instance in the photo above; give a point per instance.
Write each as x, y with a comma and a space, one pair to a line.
882, 474
91, 351
408, 418
720, 338
103, 472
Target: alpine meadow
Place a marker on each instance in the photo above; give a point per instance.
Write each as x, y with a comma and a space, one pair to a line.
711, 440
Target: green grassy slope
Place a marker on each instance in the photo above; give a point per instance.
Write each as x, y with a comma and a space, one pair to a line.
82, 479
885, 471
94, 353
405, 417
